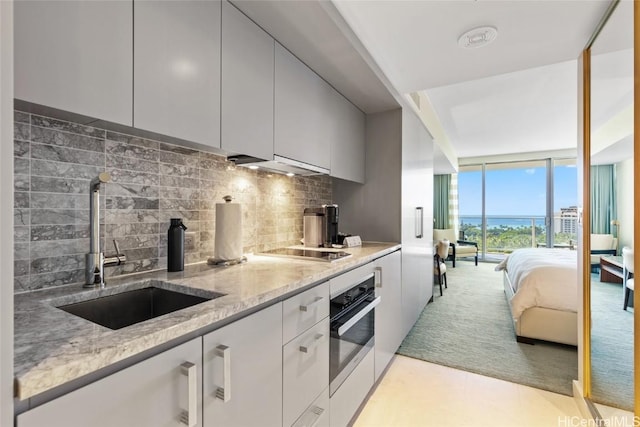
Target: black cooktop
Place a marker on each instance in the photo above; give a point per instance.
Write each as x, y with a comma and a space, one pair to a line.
310, 254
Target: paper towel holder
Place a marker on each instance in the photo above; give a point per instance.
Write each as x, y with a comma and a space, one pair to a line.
222, 262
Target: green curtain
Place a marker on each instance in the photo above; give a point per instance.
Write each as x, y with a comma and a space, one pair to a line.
603, 198
441, 185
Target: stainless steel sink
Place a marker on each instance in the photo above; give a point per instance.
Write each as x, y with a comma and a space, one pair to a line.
131, 307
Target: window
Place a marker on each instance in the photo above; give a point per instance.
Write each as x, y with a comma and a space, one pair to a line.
506, 206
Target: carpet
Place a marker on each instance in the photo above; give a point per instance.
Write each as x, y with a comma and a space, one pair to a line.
470, 328
611, 346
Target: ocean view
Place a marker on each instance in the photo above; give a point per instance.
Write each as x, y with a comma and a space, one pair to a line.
497, 221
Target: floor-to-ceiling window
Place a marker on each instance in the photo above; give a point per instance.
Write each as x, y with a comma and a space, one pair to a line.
565, 212
470, 207
507, 206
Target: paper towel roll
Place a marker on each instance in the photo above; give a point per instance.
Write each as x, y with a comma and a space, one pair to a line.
228, 241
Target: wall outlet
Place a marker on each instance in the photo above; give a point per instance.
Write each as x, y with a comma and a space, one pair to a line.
189, 240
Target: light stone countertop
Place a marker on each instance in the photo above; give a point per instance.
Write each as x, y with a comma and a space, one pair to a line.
53, 347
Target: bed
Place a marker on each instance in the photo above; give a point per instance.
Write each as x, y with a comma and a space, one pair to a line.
541, 287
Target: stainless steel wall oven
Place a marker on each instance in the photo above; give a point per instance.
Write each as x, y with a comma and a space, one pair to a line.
352, 329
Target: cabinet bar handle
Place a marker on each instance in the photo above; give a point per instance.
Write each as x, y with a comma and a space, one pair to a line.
351, 322
314, 344
190, 416
419, 222
311, 304
224, 393
378, 277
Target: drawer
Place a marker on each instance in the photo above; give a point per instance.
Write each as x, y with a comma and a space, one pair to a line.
317, 414
305, 370
349, 279
347, 399
304, 310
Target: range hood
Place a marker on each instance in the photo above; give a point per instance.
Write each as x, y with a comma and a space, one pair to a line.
279, 164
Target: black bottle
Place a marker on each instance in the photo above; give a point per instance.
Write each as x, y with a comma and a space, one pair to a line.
175, 244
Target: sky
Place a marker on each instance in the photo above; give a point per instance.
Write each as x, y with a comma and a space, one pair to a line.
518, 191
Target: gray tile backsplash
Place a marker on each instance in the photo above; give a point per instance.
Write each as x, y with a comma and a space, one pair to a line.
152, 181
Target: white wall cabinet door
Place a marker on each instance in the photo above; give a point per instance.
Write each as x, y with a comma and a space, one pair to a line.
177, 69
247, 86
76, 56
424, 156
348, 140
242, 372
417, 217
152, 393
388, 325
303, 116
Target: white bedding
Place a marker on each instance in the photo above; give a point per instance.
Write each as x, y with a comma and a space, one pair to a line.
542, 277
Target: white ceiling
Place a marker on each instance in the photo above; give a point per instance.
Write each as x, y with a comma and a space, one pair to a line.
517, 94
524, 111
415, 42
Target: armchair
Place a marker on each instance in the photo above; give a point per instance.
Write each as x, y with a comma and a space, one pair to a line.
602, 244
457, 248
441, 251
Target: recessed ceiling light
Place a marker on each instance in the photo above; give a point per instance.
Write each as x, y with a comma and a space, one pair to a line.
478, 37
254, 167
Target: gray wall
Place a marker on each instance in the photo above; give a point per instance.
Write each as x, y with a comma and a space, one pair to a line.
6, 212
373, 210
152, 181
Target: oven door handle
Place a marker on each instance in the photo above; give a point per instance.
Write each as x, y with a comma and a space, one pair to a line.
359, 315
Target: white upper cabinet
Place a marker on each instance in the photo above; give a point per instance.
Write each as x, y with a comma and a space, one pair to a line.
76, 56
347, 140
177, 69
247, 86
303, 115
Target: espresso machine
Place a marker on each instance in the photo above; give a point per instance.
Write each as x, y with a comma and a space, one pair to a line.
321, 226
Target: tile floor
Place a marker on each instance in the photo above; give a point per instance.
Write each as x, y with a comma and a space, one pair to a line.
418, 393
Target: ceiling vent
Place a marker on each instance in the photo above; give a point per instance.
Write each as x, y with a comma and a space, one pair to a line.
477, 37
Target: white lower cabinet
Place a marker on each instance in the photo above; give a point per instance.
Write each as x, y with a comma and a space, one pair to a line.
347, 399
388, 325
317, 414
304, 310
242, 372
158, 392
305, 370
248, 373
305, 357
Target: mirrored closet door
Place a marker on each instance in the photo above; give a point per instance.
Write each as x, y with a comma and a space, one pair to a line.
611, 210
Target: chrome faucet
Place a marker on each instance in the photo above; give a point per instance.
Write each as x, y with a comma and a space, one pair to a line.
95, 259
